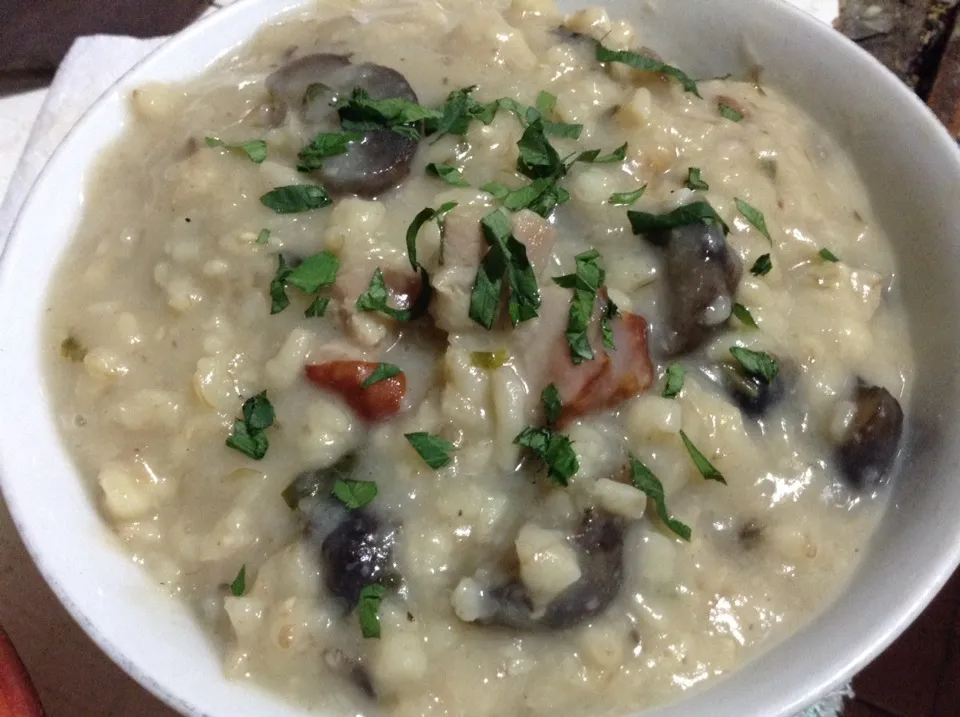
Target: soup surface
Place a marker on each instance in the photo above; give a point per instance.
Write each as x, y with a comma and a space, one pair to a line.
463, 358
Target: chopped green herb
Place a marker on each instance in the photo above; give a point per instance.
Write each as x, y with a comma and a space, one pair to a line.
382, 372
263, 237
239, 585
644, 479
744, 316
278, 287
694, 181
554, 449
312, 483
506, 256
610, 312
368, 610
361, 113
755, 217
457, 112
499, 191
489, 360
621, 199
538, 158
450, 175
552, 404
675, 375
756, 363
424, 216
434, 450
249, 433
593, 156
315, 272
706, 468
762, 266
562, 129
255, 149
648, 64
324, 145
729, 113
354, 494
296, 198
585, 282
695, 213
828, 255
72, 350
317, 308
546, 102
375, 298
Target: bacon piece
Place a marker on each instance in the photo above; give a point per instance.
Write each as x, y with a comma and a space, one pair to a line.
377, 402
611, 378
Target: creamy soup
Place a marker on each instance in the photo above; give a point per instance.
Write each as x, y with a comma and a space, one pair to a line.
463, 358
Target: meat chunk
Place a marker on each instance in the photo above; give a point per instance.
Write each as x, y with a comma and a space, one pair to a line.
376, 402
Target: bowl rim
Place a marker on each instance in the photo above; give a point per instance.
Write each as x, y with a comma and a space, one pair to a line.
794, 697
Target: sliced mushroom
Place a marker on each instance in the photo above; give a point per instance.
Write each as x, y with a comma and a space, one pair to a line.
869, 448
357, 552
599, 542
753, 394
702, 274
309, 85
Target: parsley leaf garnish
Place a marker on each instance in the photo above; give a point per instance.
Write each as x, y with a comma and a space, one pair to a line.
263, 237
644, 479
354, 494
382, 372
254, 149
507, 256
361, 113
434, 450
706, 468
310, 276
424, 216
762, 266
554, 449
324, 145
828, 255
728, 112
310, 483
585, 282
552, 404
546, 102
538, 158
755, 217
694, 181
744, 316
296, 198
620, 199
317, 308
695, 213
756, 363
675, 375
450, 175
642, 62
610, 312
593, 156
239, 585
457, 112
249, 433
375, 298
368, 610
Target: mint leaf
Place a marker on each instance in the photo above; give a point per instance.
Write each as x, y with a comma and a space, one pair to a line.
828, 255
296, 198
706, 468
694, 181
756, 363
642, 62
728, 112
762, 266
382, 372
675, 375
450, 175
626, 198
248, 435
744, 316
755, 217
552, 404
254, 149
368, 610
239, 585
554, 449
695, 213
423, 216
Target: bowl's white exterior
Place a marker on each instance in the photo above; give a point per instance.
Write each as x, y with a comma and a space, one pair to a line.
913, 171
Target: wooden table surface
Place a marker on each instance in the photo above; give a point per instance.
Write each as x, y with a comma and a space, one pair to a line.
919, 676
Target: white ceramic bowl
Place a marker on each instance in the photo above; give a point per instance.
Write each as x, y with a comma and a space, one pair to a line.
912, 169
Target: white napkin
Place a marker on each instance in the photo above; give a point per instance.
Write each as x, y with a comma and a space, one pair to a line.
95, 63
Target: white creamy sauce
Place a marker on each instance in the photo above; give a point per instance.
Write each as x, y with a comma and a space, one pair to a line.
161, 328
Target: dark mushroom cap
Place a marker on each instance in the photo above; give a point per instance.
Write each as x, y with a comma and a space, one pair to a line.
702, 275
870, 446
308, 86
